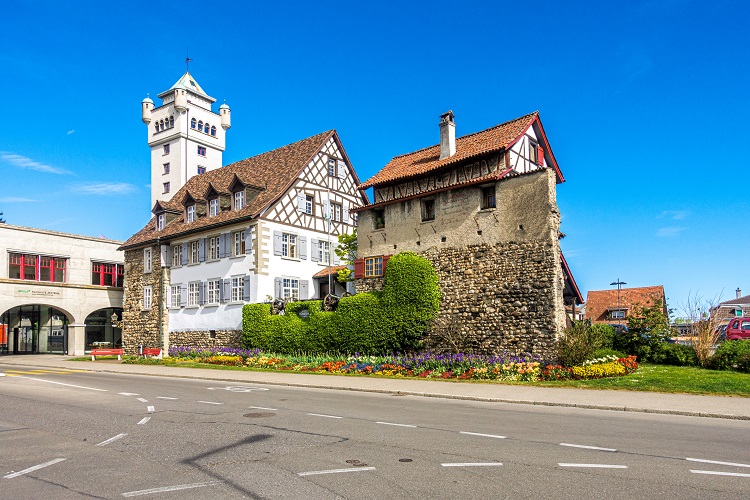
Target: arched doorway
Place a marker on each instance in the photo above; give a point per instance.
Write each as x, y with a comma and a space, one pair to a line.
32, 329
103, 328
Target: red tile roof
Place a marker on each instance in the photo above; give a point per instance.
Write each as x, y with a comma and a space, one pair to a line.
325, 271
600, 302
494, 139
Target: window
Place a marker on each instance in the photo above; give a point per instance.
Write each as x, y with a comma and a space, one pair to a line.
238, 286
213, 207
147, 261
238, 247
428, 210
193, 123
166, 152
193, 255
166, 168
290, 288
161, 125
201, 151
309, 203
104, 274
166, 187
239, 200
156, 127
213, 287
213, 131
176, 255
193, 293
175, 295
289, 245
160, 220
373, 266
378, 219
171, 121
336, 211
324, 252
618, 314
147, 297
191, 213
200, 126
332, 167
201, 170
533, 151
213, 247
488, 197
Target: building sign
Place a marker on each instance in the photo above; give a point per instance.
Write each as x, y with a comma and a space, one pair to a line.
34, 293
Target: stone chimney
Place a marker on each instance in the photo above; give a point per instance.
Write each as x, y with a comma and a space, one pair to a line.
447, 135
739, 293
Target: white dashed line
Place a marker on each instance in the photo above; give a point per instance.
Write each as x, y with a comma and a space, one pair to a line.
150, 409
142, 400
483, 435
144, 420
587, 447
165, 397
2, 374
32, 469
210, 402
473, 464
169, 488
261, 408
595, 466
716, 462
321, 415
397, 425
67, 385
128, 394
715, 473
112, 439
334, 471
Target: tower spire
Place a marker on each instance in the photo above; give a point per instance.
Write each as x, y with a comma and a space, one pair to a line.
187, 59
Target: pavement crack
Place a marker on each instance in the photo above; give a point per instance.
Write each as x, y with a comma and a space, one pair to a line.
59, 485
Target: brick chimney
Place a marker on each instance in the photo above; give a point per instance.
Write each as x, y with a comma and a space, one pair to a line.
447, 135
739, 293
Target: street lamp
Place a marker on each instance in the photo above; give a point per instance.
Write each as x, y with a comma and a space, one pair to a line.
619, 286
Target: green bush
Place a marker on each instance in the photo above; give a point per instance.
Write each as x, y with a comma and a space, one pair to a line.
369, 323
600, 353
732, 355
605, 334
578, 344
679, 355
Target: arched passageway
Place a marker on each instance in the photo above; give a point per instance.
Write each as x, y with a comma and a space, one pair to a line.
103, 328
34, 328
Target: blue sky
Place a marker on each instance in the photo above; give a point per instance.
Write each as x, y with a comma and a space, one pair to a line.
644, 104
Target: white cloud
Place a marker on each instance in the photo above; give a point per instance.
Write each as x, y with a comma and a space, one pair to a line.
25, 162
16, 199
669, 232
104, 188
71, 132
674, 214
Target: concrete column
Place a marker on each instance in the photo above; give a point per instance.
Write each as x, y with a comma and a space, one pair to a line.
76, 339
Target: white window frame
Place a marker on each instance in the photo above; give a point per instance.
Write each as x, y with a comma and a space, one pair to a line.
193, 257
213, 247
213, 291
618, 314
147, 260
237, 288
176, 255
191, 213
193, 295
324, 252
213, 207
290, 288
309, 204
174, 292
289, 247
238, 244
160, 222
239, 200
147, 297
336, 210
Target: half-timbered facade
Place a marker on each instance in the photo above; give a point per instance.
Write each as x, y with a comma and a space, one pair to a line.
252, 231
483, 209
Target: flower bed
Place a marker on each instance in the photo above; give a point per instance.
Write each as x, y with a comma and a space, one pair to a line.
423, 365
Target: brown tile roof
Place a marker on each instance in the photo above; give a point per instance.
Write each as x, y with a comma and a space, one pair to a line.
738, 301
469, 146
599, 302
274, 171
324, 272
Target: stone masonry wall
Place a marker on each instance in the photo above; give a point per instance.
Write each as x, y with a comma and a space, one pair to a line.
141, 326
202, 338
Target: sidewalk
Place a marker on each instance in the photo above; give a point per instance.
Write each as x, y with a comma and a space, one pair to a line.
646, 402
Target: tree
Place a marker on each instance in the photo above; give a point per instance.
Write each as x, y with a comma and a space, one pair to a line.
648, 328
703, 331
2, 221
347, 252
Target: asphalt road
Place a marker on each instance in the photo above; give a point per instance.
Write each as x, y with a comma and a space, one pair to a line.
66, 434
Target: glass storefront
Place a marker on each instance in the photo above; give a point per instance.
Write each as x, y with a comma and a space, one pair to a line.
101, 329
33, 329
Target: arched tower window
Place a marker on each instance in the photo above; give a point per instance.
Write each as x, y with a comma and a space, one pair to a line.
171, 122
213, 130
156, 126
192, 123
200, 126
161, 125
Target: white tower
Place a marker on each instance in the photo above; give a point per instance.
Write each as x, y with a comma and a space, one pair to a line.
185, 136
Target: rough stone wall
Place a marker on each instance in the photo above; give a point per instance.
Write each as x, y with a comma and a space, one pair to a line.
142, 326
202, 338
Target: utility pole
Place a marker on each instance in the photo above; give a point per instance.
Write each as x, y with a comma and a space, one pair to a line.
619, 287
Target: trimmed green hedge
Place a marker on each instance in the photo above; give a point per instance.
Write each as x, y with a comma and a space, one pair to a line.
369, 323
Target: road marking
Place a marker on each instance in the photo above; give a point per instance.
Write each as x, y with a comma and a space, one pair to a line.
142, 400
715, 473
169, 488
334, 471
150, 409
2, 374
144, 420
716, 462
321, 415
32, 469
397, 425
587, 447
17, 373
237, 388
595, 466
112, 439
67, 385
482, 435
210, 402
128, 394
165, 397
473, 464
262, 408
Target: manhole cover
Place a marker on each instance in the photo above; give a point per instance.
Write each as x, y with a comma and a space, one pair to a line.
405, 460
259, 415
356, 463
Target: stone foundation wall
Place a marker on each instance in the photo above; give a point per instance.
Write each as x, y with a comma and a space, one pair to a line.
202, 338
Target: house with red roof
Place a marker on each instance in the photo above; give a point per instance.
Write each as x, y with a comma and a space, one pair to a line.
611, 306
482, 208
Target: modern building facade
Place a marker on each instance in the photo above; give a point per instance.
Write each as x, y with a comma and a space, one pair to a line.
59, 293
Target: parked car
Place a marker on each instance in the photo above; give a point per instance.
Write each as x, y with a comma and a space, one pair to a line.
619, 328
721, 333
738, 329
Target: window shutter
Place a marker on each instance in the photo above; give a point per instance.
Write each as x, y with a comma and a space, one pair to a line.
314, 250
202, 250
359, 268
301, 202
166, 256
246, 289
168, 300
336, 259
249, 241
222, 245
302, 244
277, 242
183, 295
341, 170
540, 155
226, 290
278, 287
201, 292
184, 254
345, 215
385, 262
327, 209
304, 289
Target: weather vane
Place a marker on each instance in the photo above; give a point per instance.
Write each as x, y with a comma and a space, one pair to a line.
187, 59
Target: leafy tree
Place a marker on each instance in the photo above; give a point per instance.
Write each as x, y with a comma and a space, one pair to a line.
347, 252
648, 328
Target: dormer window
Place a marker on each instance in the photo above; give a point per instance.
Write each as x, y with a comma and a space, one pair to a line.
160, 222
213, 207
190, 213
239, 200
192, 123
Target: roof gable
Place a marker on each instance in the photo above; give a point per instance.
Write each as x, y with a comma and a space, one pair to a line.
599, 302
